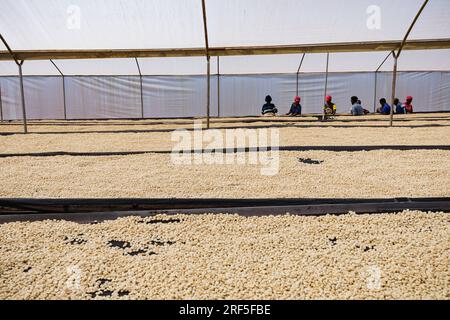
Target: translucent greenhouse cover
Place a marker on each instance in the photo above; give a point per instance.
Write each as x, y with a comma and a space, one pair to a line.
152, 24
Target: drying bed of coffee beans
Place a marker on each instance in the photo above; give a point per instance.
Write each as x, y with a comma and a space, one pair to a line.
383, 256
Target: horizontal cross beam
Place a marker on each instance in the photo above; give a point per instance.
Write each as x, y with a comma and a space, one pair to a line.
227, 51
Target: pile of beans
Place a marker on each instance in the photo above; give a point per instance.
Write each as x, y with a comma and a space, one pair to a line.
398, 256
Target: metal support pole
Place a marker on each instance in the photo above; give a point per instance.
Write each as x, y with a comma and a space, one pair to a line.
1, 105
326, 83
142, 90
375, 93
22, 93
376, 78
411, 27
19, 64
397, 55
208, 91
298, 72
326, 75
394, 83
218, 86
64, 96
63, 87
205, 26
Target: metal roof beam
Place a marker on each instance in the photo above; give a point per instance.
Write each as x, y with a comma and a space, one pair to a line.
227, 51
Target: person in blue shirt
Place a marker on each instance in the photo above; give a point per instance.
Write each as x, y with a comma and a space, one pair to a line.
357, 109
269, 109
399, 108
384, 107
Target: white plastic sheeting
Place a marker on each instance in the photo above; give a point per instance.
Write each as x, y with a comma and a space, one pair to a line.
176, 66
431, 90
43, 96
178, 96
96, 67
103, 97
29, 68
421, 60
112, 24
101, 24
185, 96
263, 22
243, 95
139, 24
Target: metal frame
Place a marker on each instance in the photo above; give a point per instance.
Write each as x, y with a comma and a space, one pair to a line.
218, 86
423, 44
90, 210
326, 83
20, 56
298, 72
1, 104
394, 85
142, 90
397, 55
376, 78
222, 74
64, 88
326, 74
22, 92
208, 70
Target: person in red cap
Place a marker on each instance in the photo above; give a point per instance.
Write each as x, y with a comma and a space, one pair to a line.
408, 105
329, 108
296, 108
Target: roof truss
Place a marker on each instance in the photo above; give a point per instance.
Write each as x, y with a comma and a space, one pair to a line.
227, 51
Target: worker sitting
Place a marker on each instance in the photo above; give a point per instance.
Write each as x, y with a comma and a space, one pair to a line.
269, 108
408, 105
364, 110
329, 109
384, 108
399, 108
357, 109
296, 108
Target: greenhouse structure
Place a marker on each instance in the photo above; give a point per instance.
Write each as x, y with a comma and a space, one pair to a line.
151, 59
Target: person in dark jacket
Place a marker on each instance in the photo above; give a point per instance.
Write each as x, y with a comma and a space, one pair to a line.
296, 108
399, 109
384, 108
269, 109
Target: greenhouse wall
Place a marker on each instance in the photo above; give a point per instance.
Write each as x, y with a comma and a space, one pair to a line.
106, 97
